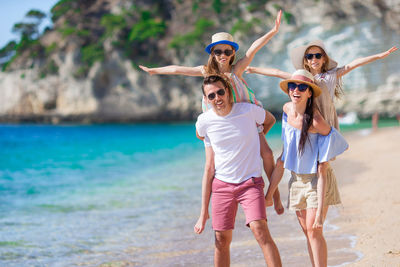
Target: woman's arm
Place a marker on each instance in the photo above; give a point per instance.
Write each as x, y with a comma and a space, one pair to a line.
208, 176
175, 70
362, 61
269, 72
241, 65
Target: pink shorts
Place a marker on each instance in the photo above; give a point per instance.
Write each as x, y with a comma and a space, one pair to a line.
225, 199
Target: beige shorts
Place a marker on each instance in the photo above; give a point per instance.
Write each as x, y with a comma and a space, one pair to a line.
303, 191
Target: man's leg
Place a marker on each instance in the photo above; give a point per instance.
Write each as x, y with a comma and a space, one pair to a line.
267, 244
223, 241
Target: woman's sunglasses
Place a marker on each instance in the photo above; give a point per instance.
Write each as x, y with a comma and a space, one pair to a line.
302, 87
227, 52
310, 56
220, 92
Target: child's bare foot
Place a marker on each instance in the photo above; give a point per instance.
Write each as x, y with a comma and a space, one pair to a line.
279, 209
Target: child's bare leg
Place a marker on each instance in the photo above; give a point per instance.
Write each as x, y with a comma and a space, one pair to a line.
321, 189
269, 166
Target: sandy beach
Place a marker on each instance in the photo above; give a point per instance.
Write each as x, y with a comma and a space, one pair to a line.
369, 186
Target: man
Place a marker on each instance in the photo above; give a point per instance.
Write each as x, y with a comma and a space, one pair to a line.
233, 170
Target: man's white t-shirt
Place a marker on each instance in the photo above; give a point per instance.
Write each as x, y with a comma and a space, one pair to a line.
234, 139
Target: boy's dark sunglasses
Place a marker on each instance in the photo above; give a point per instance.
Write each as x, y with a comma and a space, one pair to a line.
310, 56
302, 87
220, 92
227, 52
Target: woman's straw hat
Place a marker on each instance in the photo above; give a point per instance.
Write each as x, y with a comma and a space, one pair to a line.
221, 38
297, 55
301, 76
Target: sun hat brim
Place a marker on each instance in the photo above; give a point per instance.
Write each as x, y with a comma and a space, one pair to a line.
235, 45
297, 55
284, 86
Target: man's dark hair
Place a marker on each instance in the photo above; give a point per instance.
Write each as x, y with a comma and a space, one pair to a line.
214, 79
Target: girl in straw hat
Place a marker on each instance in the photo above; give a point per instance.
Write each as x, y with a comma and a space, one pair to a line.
222, 51
308, 140
314, 58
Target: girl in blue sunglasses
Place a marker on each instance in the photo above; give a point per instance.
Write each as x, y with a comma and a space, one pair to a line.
222, 51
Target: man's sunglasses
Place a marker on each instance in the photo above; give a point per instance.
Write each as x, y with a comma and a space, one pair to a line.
227, 52
302, 87
310, 56
220, 92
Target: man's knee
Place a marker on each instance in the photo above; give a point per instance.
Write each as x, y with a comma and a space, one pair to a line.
222, 240
260, 231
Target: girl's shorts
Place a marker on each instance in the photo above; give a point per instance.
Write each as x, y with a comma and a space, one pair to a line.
303, 191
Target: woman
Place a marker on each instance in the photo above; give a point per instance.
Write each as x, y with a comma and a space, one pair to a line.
314, 58
222, 51
308, 141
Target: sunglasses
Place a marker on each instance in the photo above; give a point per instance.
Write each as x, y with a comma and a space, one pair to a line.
302, 87
227, 52
220, 92
310, 56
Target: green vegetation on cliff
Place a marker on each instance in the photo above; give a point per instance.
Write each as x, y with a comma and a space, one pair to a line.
143, 31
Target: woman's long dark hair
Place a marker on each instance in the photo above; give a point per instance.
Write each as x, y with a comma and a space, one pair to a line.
307, 122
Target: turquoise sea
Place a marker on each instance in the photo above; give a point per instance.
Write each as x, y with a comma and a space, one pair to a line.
113, 195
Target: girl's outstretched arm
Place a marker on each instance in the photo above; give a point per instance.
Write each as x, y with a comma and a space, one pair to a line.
208, 176
365, 60
175, 70
269, 72
241, 65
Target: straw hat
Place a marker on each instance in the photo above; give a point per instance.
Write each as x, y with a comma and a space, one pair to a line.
221, 38
297, 55
301, 76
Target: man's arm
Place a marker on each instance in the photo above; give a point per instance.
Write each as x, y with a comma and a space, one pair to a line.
208, 176
269, 121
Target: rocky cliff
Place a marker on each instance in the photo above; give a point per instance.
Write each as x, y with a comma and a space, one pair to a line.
84, 68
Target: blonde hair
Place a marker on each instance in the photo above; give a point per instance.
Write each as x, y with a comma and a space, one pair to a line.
339, 85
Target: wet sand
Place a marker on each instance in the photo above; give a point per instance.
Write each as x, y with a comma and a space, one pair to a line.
369, 184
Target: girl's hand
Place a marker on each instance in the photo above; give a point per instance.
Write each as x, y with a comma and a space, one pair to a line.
318, 223
249, 70
277, 22
391, 50
146, 69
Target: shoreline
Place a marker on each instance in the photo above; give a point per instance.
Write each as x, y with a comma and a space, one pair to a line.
368, 183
